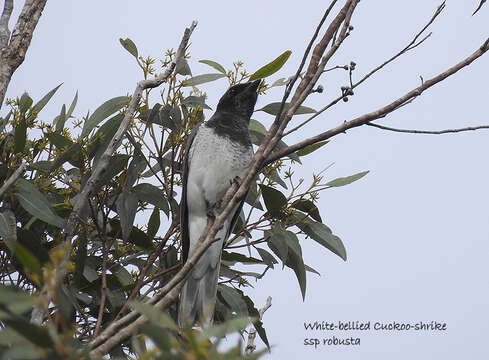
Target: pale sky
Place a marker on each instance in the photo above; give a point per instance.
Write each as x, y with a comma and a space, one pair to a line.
415, 228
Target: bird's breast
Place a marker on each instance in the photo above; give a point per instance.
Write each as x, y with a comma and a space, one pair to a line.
214, 162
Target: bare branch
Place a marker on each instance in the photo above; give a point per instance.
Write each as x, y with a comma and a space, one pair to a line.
479, 7
13, 53
382, 112
410, 46
13, 178
4, 30
250, 346
430, 132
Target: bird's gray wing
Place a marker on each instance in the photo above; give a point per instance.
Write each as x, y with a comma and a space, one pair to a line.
183, 203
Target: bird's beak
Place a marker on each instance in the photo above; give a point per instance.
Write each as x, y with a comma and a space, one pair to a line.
254, 85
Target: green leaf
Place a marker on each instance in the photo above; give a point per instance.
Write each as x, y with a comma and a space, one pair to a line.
116, 164
127, 205
11, 299
153, 223
274, 200
124, 277
194, 101
308, 207
59, 140
274, 108
215, 65
258, 133
237, 257
276, 243
342, 181
103, 111
25, 103
310, 148
153, 195
27, 259
33, 333
201, 79
129, 45
20, 136
233, 299
155, 316
8, 225
161, 338
267, 257
294, 259
72, 152
182, 67
323, 235
271, 67
139, 238
35, 203
223, 329
60, 120
136, 166
45, 99
72, 106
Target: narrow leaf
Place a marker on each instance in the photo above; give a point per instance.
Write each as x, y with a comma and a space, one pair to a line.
271, 67
25, 103
155, 316
129, 45
342, 181
153, 223
103, 111
127, 204
201, 79
215, 65
274, 108
72, 106
35, 203
45, 99
310, 148
60, 119
308, 207
194, 101
20, 136
153, 195
274, 199
182, 67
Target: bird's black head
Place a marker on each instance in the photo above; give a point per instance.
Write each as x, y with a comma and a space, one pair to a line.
240, 99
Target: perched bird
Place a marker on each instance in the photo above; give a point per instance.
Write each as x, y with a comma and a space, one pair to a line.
217, 152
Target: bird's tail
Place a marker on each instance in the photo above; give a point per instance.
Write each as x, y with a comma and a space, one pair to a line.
198, 296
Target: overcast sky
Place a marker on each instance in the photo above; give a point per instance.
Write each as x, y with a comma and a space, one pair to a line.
415, 228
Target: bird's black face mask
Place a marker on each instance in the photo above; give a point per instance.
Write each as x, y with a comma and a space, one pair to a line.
240, 99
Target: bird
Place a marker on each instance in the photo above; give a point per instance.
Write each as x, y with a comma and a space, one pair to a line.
217, 152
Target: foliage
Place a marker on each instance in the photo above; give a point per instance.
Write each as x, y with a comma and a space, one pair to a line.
129, 247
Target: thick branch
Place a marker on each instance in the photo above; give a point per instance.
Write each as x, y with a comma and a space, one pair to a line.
382, 112
4, 30
13, 53
429, 132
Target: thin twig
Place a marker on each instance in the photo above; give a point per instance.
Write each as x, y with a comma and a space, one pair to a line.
410, 46
430, 132
382, 112
103, 290
13, 178
250, 346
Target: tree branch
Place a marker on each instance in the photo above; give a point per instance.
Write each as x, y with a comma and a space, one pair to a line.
4, 19
250, 346
13, 53
430, 132
13, 178
382, 112
410, 46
